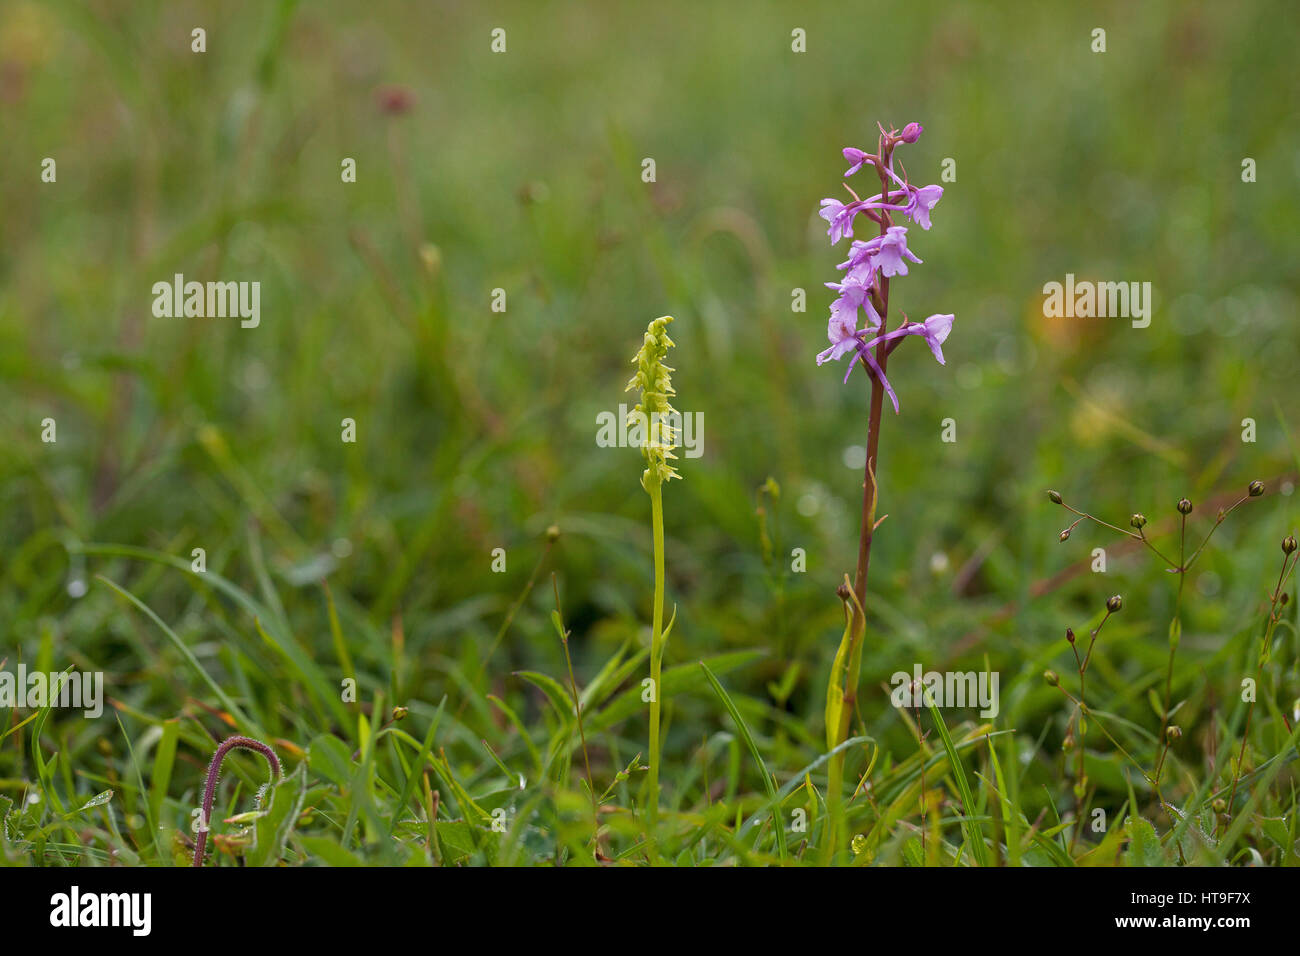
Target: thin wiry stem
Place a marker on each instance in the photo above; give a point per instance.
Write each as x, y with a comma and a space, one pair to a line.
1223, 515
1273, 617
1136, 535
577, 704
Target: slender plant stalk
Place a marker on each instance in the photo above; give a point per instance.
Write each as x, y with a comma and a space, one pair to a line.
1264, 649
841, 699
870, 469
577, 705
1175, 638
656, 653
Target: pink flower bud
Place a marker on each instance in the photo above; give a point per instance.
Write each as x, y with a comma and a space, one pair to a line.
912, 132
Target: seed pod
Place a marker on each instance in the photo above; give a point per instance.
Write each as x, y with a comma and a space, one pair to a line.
1069, 634
1288, 544
1184, 506
1055, 496
1052, 678
1114, 603
1138, 521
1065, 535
1256, 488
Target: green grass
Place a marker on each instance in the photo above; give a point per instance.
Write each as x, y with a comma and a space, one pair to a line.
371, 562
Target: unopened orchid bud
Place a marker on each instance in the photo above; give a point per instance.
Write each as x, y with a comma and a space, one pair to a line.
912, 132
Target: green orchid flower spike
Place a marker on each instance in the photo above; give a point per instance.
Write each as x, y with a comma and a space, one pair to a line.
655, 416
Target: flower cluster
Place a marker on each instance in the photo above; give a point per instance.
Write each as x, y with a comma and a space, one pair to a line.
877, 259
655, 412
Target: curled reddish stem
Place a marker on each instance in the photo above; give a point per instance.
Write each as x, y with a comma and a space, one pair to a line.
210, 787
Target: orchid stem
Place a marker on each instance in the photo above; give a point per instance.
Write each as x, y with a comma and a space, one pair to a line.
656, 660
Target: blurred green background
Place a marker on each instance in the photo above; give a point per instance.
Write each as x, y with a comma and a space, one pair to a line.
476, 430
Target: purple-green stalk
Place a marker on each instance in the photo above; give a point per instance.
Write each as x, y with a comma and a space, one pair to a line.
210, 787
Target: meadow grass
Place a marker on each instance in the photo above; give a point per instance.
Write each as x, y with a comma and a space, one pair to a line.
498, 717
